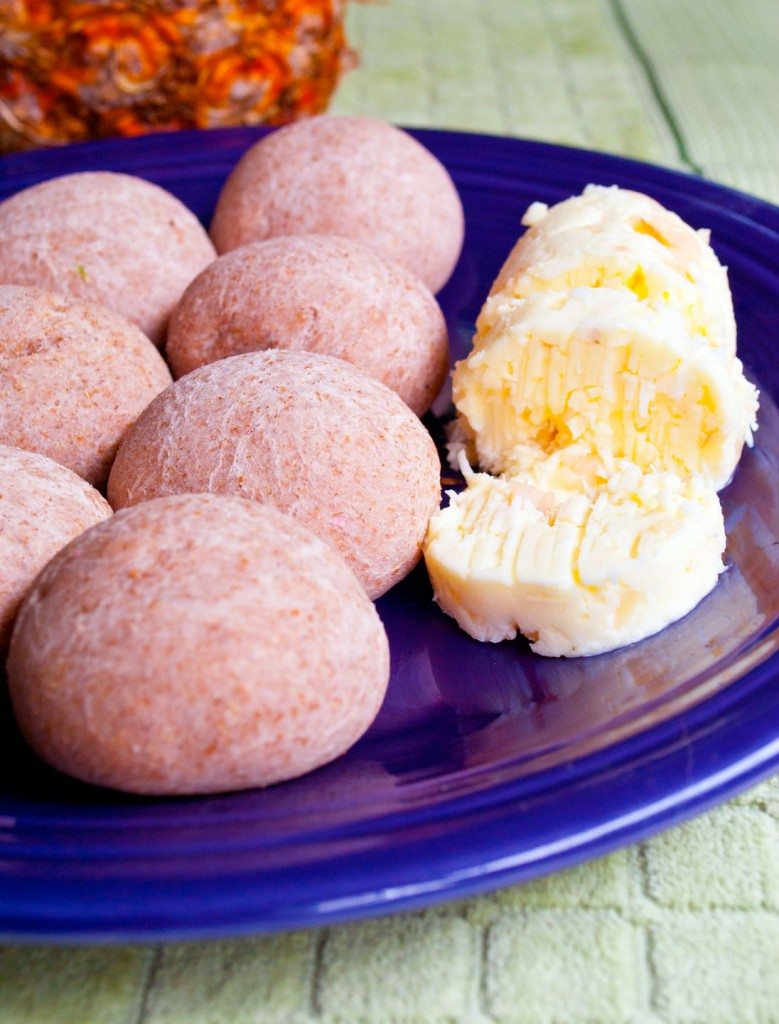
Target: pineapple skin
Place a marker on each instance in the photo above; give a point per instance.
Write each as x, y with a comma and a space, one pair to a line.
74, 70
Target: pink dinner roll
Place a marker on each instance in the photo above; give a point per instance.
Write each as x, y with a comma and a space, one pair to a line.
42, 507
73, 377
108, 238
196, 644
322, 294
312, 435
349, 176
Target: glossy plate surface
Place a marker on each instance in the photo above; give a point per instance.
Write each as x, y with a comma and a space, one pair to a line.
487, 765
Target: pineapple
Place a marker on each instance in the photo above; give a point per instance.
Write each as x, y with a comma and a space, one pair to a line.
78, 69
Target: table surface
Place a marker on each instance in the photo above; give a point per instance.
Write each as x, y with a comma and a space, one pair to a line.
682, 929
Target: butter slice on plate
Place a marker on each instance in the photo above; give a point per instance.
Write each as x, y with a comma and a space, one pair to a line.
598, 364
579, 570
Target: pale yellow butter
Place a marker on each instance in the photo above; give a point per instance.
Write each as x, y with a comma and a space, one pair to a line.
617, 239
604, 391
599, 365
579, 572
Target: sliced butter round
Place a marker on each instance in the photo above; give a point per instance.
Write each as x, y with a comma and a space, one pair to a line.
578, 572
618, 239
599, 366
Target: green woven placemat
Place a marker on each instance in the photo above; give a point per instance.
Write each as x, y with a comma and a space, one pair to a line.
682, 929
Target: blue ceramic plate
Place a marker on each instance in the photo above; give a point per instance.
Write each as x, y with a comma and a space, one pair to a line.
487, 765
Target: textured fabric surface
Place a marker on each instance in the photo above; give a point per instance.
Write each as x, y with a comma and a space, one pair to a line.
681, 929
